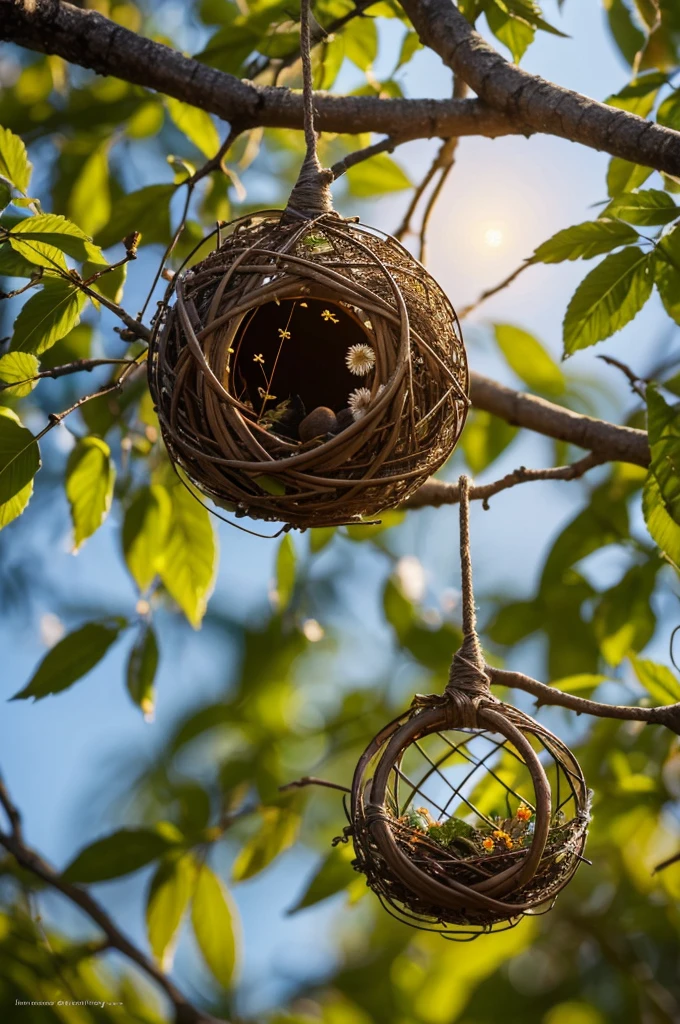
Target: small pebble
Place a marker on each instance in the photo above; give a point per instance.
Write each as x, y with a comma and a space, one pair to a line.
344, 419
319, 421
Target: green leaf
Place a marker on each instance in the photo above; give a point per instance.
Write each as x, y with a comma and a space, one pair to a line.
515, 33
19, 462
285, 572
90, 476
71, 659
279, 830
583, 684
147, 210
608, 298
583, 241
361, 42
141, 671
145, 529
624, 176
17, 368
651, 206
214, 919
661, 497
485, 437
190, 563
89, 203
530, 361
14, 162
13, 265
196, 124
121, 853
667, 272
48, 316
334, 874
668, 113
640, 95
658, 680
166, 903
624, 619
320, 537
628, 37
38, 235
376, 176
662, 528
410, 45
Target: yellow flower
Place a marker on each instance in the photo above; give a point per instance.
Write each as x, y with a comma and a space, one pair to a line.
327, 315
259, 358
284, 335
524, 813
503, 837
488, 843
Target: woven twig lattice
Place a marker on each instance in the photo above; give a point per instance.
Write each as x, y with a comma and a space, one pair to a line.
219, 432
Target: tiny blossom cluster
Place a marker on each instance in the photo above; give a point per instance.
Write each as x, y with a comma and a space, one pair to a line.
360, 359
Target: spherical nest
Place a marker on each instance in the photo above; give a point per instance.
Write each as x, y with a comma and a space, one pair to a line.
308, 372
466, 816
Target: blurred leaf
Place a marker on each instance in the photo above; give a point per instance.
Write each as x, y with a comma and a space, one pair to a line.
19, 462
279, 830
628, 37
48, 316
661, 501
608, 298
583, 241
361, 42
334, 874
35, 237
431, 646
18, 368
189, 566
320, 537
658, 680
145, 528
167, 901
90, 476
603, 521
668, 113
214, 919
410, 45
147, 210
72, 658
651, 206
285, 572
667, 272
662, 527
640, 95
376, 176
515, 621
583, 685
370, 531
530, 361
624, 620
118, 854
14, 162
624, 176
485, 438
196, 124
141, 671
89, 203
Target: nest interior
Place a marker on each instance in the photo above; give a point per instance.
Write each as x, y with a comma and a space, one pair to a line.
464, 830
311, 373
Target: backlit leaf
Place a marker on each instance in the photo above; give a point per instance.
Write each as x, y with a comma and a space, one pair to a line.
45, 231
190, 563
334, 874
147, 210
658, 680
530, 361
167, 901
19, 462
376, 176
144, 532
624, 176
89, 203
278, 831
583, 241
14, 162
196, 124
215, 922
651, 206
285, 571
90, 476
667, 272
141, 671
17, 368
48, 316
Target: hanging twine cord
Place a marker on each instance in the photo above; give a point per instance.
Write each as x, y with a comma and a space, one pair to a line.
311, 196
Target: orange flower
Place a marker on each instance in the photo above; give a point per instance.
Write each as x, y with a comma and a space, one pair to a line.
524, 813
503, 837
488, 843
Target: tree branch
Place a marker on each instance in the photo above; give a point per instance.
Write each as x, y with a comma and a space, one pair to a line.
531, 100
77, 366
387, 145
435, 493
668, 715
185, 1012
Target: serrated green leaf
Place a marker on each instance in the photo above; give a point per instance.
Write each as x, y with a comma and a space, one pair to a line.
214, 919
90, 476
658, 680
144, 533
147, 210
376, 176
649, 207
196, 124
14, 162
583, 241
166, 903
119, 854
18, 369
48, 316
285, 572
278, 831
608, 298
530, 361
19, 462
333, 874
667, 272
624, 176
72, 658
190, 563
47, 231
141, 671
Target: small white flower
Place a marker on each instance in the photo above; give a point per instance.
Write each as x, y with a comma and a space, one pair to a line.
358, 402
360, 359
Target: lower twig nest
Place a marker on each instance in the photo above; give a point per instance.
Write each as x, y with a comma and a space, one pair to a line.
309, 372
466, 815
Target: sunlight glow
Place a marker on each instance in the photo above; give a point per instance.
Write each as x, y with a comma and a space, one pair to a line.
493, 237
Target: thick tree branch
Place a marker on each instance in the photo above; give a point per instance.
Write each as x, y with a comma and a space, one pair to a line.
668, 715
435, 493
533, 101
87, 38
185, 1012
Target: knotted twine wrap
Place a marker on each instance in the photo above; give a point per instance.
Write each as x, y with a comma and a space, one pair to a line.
423, 883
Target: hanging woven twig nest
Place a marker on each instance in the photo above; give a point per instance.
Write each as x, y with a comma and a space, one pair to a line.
310, 371
466, 814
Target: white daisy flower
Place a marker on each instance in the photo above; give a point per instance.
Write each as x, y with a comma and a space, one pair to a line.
358, 402
360, 359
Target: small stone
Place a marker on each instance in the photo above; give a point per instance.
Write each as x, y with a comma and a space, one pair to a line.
344, 419
319, 421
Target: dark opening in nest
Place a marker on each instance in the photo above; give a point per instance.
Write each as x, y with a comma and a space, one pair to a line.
462, 829
323, 321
